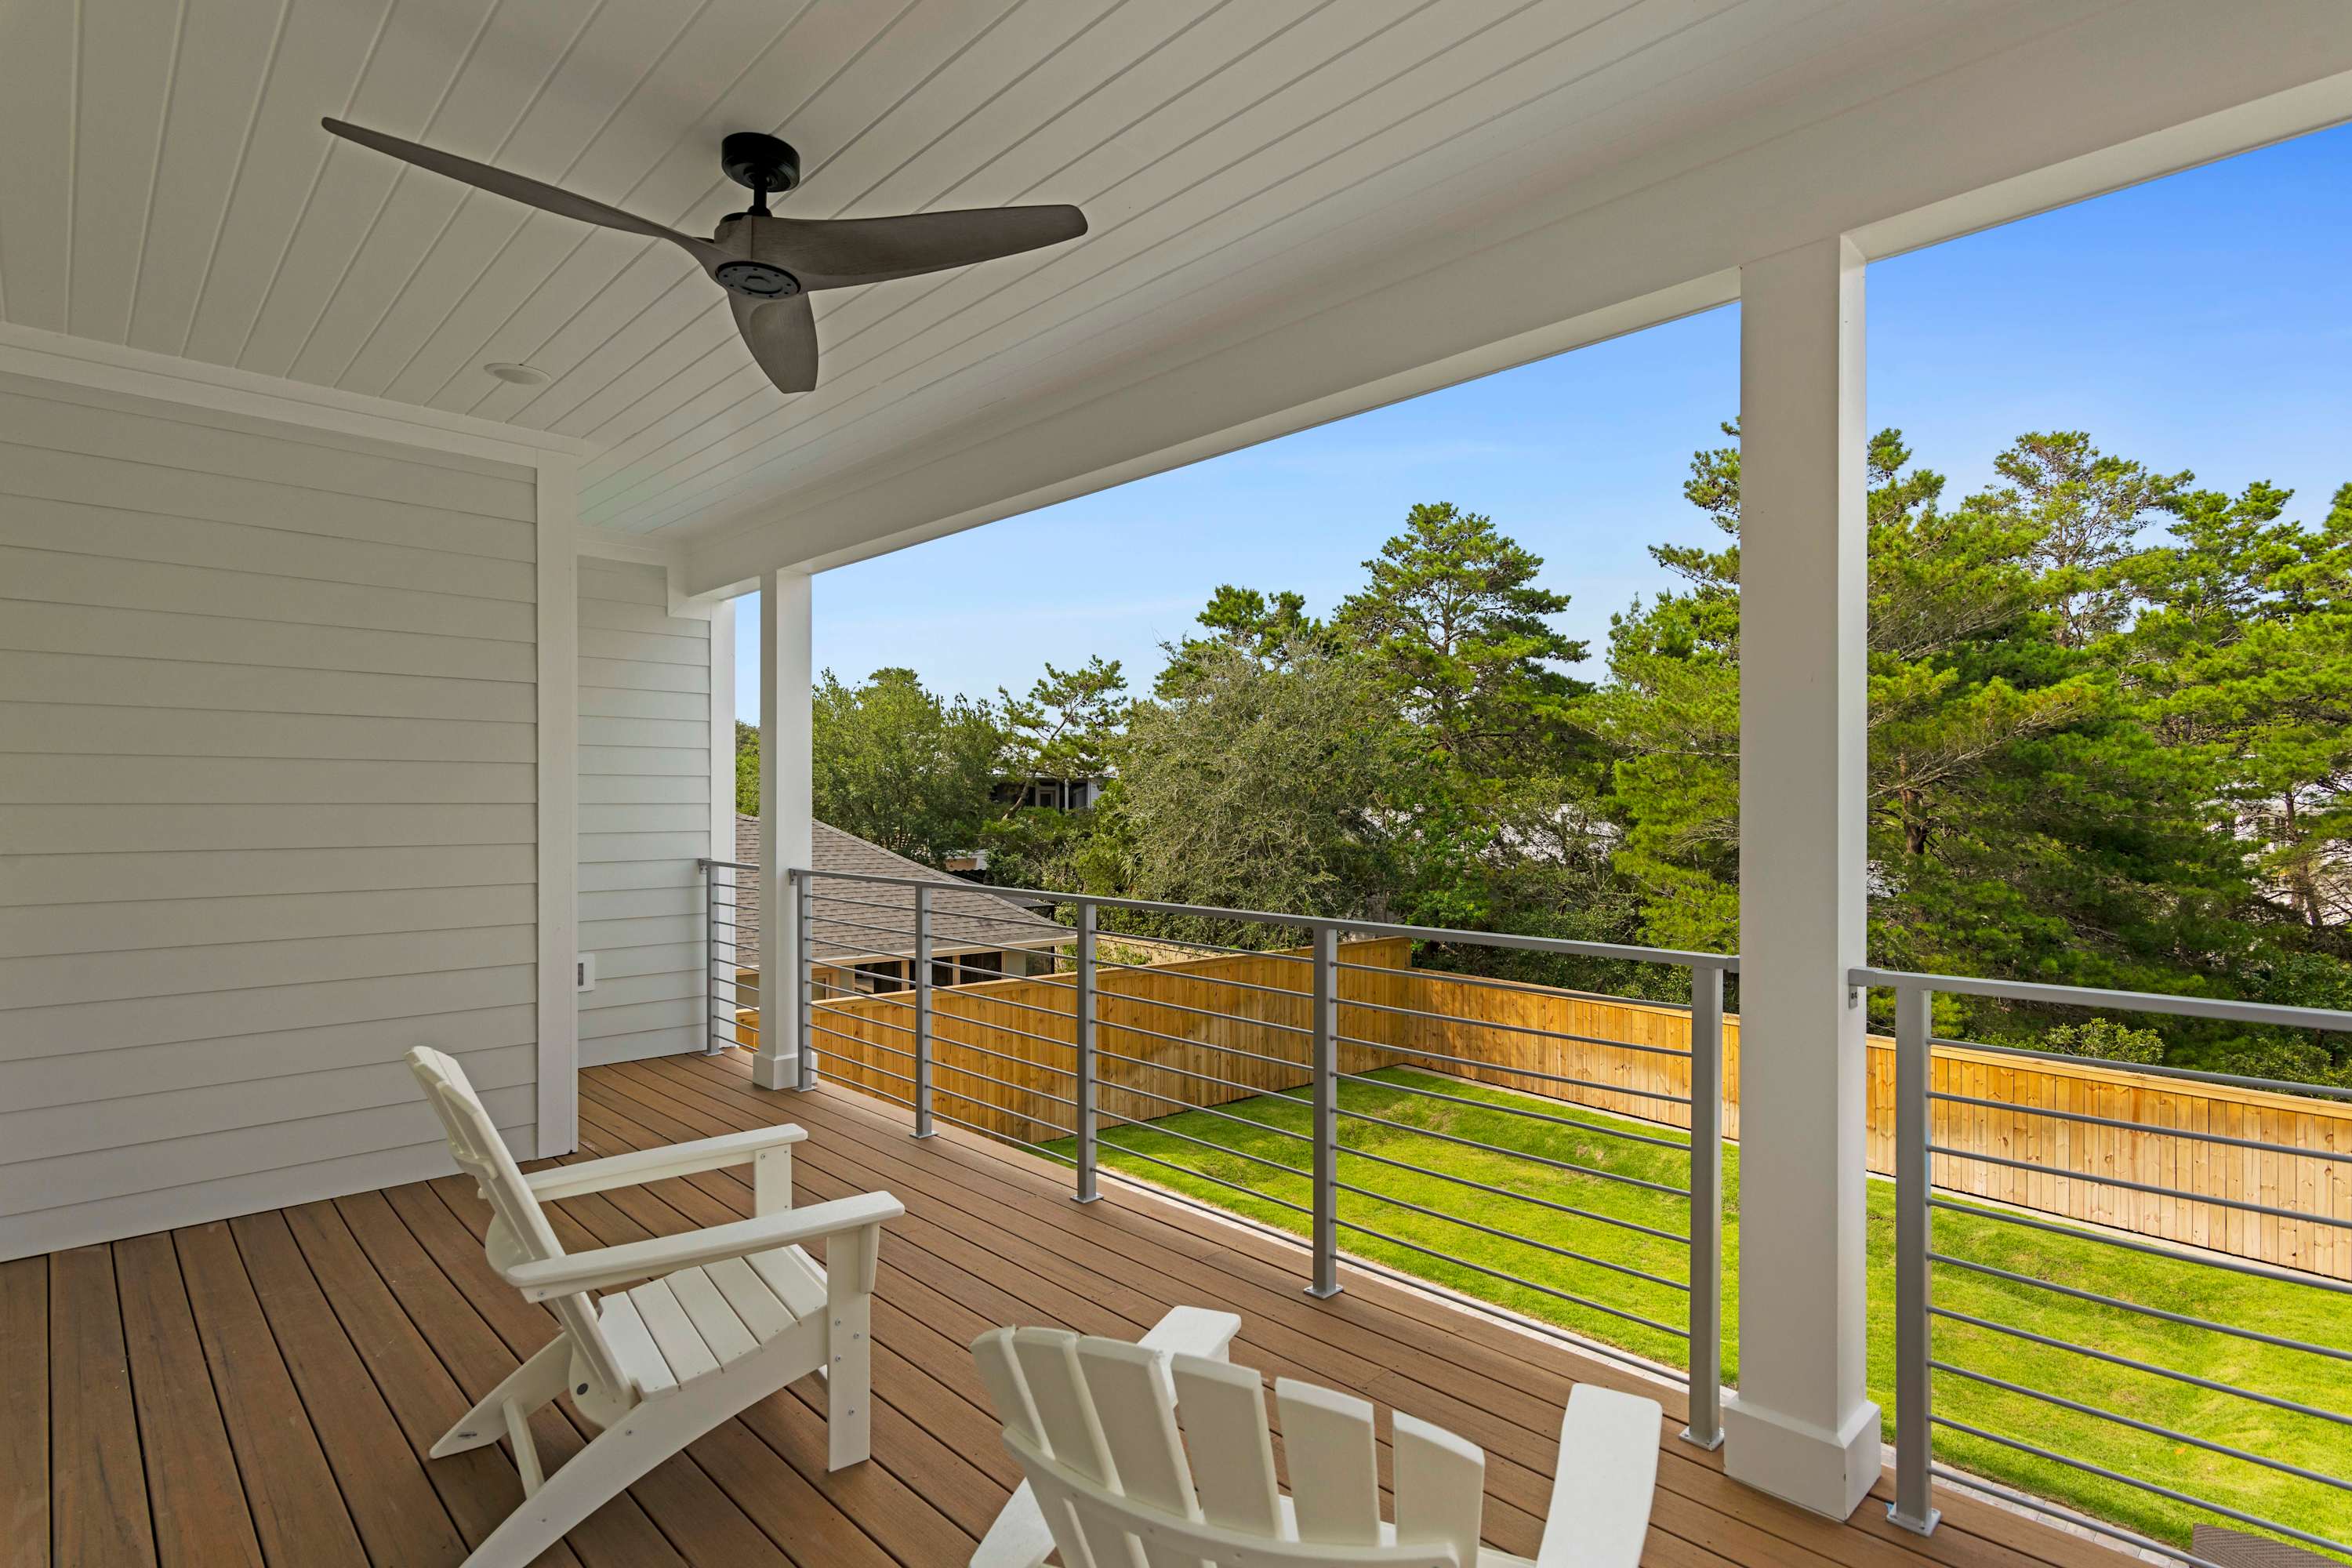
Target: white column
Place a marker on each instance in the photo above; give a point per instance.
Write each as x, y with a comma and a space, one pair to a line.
1802, 1426
785, 679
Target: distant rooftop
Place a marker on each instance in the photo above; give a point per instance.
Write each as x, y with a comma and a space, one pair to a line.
964, 917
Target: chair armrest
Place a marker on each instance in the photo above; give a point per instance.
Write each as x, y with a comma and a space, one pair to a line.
607, 1265
643, 1166
1600, 1514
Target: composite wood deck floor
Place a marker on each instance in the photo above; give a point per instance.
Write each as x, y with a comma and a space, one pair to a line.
263, 1390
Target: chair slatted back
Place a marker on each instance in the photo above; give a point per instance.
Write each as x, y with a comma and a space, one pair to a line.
520, 1232
1145, 1461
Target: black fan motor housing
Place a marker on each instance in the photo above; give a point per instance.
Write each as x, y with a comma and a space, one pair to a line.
760, 161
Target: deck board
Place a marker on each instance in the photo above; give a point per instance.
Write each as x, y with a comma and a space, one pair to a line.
270, 1386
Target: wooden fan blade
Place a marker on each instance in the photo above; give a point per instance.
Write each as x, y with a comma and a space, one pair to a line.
782, 336
840, 253
532, 193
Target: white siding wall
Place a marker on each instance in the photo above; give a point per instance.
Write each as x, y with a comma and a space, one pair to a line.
267, 796
645, 814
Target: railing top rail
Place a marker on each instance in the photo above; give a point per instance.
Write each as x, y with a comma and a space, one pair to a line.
704, 863
1677, 957
2118, 1001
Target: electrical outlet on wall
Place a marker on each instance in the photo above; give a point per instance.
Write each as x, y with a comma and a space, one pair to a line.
584, 972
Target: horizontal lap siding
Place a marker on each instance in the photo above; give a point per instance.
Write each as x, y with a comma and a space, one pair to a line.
268, 809
645, 814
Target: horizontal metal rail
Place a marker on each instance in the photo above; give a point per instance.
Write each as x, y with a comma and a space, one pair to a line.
1204, 1045
1229, 985
1200, 1012
1543, 1116
1317, 922
1045, 1151
1391, 1201
973, 1099
1544, 1160
1221, 947
2155, 1129
1202, 1110
1008, 1055
1508, 1029
2183, 1318
2151, 1428
2034, 1505
1003, 1083
1159, 1131
2085, 996
2210, 1384
1122, 1149
1554, 1204
2157, 1070
2204, 1258
1517, 1072
1255, 1090
2190, 1499
2064, 1174
1514, 1280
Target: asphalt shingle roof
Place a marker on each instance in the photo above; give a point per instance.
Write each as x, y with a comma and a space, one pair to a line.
964, 917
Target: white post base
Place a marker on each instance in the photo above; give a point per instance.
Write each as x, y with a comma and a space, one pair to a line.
781, 1069
1827, 1472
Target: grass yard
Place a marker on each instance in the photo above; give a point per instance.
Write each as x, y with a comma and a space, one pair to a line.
1566, 1258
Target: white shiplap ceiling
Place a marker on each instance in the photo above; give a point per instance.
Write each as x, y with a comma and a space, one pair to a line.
167, 186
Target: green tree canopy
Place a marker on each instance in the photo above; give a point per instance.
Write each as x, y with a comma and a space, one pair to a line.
895, 763
1460, 633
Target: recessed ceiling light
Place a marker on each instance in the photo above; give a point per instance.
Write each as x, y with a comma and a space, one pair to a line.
519, 374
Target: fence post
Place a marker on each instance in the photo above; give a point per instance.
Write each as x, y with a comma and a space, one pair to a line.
923, 1127
1706, 1427
1325, 1071
1083, 1010
1915, 1008
803, 973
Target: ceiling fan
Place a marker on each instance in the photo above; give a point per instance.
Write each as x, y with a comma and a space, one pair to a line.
770, 264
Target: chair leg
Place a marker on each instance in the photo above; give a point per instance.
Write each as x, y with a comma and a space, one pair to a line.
636, 1441
527, 1387
592, 1477
849, 1360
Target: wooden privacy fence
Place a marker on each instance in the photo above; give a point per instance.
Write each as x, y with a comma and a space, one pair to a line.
1202, 1031
1492, 1024
1160, 1029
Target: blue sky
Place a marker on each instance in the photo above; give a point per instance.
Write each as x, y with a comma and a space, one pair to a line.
2200, 321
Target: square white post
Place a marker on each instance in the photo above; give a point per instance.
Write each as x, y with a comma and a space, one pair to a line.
1802, 1426
784, 833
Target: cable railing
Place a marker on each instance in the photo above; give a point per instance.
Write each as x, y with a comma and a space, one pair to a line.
2110, 1354
730, 1001
1316, 1086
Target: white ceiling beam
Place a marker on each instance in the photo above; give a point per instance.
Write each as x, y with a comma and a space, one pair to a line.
2123, 93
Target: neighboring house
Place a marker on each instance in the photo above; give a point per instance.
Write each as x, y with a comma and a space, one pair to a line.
976, 935
1051, 794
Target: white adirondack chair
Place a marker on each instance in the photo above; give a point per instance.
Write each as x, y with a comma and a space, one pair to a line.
1145, 1461
726, 1315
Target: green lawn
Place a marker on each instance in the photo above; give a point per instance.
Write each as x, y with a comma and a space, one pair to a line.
2285, 1310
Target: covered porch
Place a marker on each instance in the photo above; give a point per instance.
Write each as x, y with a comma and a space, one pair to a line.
263, 1389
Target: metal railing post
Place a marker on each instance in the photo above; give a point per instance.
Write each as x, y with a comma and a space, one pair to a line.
1083, 1074
1914, 1457
923, 1127
1325, 1067
1706, 1427
805, 979
713, 1041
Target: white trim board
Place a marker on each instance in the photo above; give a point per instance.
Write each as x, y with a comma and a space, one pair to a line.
559, 810
85, 361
